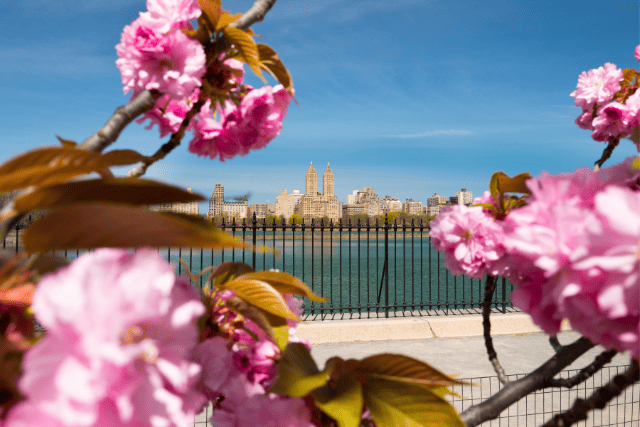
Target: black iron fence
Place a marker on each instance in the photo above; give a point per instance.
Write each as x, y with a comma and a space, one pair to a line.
539, 407
365, 269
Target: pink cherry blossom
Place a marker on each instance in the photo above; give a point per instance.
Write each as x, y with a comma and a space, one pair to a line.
27, 414
249, 127
120, 330
633, 117
271, 411
574, 248
168, 121
470, 239
612, 119
597, 86
172, 14
585, 120
171, 63
637, 52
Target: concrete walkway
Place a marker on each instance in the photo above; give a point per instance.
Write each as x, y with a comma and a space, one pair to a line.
453, 344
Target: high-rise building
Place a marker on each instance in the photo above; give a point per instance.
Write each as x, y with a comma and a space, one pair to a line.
216, 203
187, 208
390, 204
327, 182
464, 197
235, 209
315, 205
287, 203
311, 182
412, 207
436, 200
367, 202
260, 209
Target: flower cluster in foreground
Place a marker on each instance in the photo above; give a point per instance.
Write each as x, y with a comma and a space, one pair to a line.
122, 348
154, 54
572, 251
608, 109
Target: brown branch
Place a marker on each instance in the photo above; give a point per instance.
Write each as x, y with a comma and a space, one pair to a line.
108, 134
253, 15
489, 287
173, 142
515, 390
599, 398
606, 153
125, 114
584, 374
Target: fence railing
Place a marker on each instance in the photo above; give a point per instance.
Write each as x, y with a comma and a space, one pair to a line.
365, 269
537, 408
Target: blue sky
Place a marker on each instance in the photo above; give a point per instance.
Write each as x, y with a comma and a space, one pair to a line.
409, 97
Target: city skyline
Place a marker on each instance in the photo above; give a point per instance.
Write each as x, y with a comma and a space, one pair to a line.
461, 90
205, 205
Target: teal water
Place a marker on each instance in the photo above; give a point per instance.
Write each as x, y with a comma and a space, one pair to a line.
349, 273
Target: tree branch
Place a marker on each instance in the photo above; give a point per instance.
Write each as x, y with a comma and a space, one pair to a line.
515, 390
489, 287
606, 153
253, 15
598, 399
166, 148
108, 134
125, 114
584, 374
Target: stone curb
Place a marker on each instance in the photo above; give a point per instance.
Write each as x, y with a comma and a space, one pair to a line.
359, 330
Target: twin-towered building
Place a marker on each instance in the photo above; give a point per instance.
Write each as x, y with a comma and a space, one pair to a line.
312, 204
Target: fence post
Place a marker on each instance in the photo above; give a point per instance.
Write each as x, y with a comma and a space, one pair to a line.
386, 263
17, 229
504, 295
253, 227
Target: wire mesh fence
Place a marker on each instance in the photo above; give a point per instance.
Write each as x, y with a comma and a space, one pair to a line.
539, 407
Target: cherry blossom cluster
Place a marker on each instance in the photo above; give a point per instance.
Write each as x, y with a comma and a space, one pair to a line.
572, 251
154, 54
601, 113
122, 348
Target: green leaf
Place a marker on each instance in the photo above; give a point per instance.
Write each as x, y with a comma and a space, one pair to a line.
135, 191
409, 405
342, 401
298, 374
99, 225
261, 294
228, 271
485, 206
53, 165
636, 163
247, 48
270, 61
285, 283
398, 367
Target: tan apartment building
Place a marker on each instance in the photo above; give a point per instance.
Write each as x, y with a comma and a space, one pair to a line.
315, 205
412, 207
389, 204
190, 208
287, 203
216, 203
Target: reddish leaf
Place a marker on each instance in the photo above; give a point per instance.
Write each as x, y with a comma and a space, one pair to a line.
98, 225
